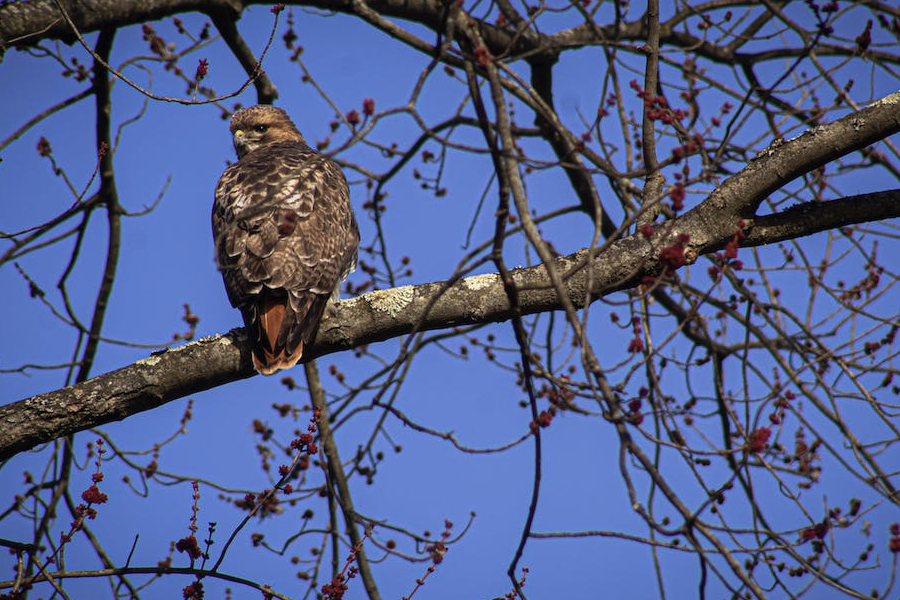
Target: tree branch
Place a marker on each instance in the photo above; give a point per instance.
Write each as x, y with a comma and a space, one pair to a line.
226, 24
382, 315
338, 479
811, 217
783, 161
27, 23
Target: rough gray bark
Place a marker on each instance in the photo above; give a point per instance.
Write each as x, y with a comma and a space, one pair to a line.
385, 314
27, 23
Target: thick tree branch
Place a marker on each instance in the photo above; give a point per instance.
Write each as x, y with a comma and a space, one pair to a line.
386, 314
740, 196
27, 23
811, 217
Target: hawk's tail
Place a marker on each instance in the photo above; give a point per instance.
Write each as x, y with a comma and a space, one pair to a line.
283, 325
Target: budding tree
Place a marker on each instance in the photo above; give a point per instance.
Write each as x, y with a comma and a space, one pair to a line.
624, 316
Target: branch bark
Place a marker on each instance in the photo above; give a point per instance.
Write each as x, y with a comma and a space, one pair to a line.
27, 23
382, 315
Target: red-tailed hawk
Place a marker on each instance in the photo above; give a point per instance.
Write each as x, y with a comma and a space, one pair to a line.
285, 234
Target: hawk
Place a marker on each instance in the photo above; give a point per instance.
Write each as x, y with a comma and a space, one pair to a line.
285, 234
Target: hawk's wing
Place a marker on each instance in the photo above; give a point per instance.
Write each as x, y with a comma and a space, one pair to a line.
285, 239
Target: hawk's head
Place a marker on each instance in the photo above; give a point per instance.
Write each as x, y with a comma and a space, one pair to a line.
260, 125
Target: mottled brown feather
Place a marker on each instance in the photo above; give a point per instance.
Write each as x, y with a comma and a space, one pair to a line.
285, 235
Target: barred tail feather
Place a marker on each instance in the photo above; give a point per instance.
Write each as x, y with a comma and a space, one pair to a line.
280, 325
269, 364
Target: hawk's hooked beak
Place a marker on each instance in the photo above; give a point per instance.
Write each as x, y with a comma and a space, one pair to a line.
240, 142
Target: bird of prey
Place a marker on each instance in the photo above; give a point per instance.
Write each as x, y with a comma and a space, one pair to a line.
284, 232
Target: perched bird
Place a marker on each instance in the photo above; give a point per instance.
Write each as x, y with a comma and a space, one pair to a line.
285, 234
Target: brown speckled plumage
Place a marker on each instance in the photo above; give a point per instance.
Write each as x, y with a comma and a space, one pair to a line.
285, 234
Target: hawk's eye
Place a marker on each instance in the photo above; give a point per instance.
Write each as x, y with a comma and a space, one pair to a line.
260, 128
